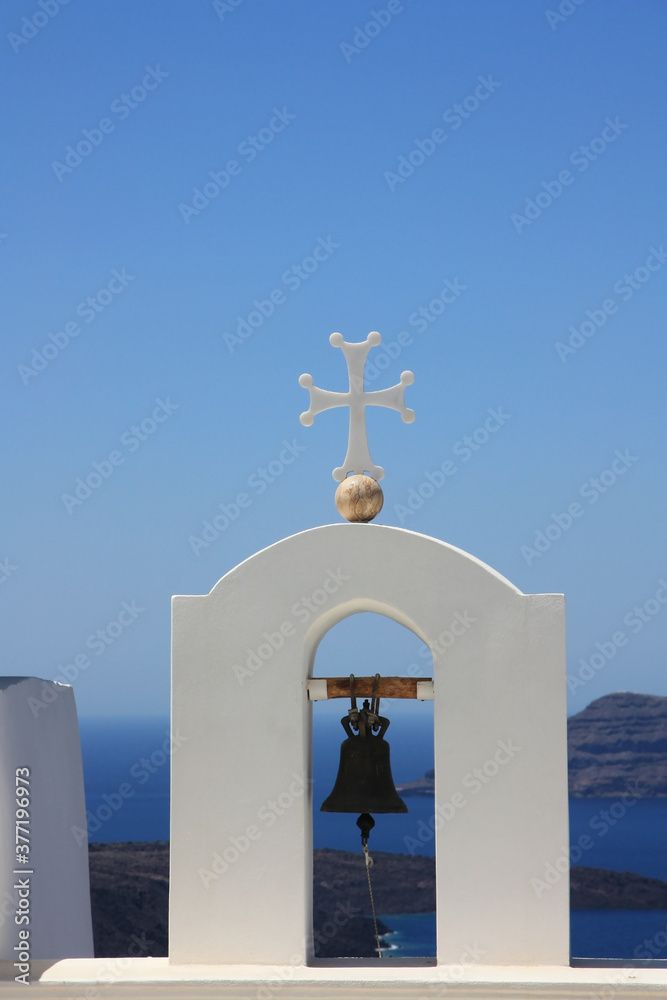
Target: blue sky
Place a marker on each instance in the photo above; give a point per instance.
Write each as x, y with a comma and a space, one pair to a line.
531, 151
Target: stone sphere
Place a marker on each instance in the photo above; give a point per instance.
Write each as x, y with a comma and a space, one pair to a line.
359, 498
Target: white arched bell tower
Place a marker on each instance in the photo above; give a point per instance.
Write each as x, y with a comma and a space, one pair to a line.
241, 827
241, 823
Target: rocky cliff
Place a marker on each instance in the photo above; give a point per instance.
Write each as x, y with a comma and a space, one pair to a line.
616, 743
619, 742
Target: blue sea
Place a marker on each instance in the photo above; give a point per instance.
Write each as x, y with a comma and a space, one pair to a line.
126, 773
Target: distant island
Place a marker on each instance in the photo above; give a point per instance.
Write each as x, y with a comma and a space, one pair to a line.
422, 786
129, 888
617, 742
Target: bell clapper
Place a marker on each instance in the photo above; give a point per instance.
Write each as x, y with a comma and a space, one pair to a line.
365, 824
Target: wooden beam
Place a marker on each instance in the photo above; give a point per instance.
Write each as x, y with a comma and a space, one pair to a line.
321, 688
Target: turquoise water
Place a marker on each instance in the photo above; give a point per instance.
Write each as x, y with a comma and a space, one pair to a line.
628, 934
414, 935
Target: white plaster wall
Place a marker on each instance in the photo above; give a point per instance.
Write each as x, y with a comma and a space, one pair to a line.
241, 808
139, 978
39, 730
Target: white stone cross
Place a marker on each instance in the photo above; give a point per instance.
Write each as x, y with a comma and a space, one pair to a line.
358, 459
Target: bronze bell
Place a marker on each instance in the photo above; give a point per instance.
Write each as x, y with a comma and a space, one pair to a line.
364, 783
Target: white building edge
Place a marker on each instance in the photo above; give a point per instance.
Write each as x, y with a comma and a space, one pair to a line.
141, 978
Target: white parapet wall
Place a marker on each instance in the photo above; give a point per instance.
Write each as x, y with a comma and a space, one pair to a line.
241, 867
44, 899
144, 978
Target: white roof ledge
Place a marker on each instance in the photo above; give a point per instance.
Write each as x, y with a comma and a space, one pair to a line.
155, 977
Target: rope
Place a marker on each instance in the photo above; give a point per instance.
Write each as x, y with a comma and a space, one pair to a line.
369, 864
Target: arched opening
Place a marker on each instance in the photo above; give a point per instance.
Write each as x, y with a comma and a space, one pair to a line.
401, 845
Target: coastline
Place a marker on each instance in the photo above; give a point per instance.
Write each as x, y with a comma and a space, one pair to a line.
130, 895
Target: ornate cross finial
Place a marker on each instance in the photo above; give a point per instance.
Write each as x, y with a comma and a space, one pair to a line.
358, 459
